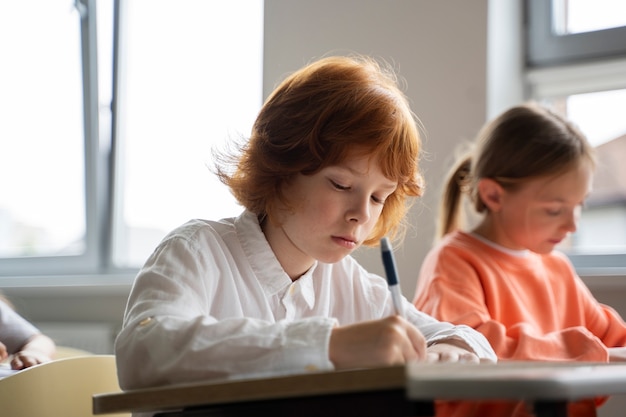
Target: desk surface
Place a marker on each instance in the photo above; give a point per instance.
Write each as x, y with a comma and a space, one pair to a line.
505, 380
516, 381
207, 393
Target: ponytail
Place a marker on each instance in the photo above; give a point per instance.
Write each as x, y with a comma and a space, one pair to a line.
451, 215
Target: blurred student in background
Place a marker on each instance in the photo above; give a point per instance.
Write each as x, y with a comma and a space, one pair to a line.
20, 342
528, 177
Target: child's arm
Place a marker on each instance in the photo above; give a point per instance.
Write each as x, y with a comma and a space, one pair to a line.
39, 349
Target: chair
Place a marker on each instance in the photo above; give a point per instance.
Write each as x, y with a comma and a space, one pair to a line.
63, 352
60, 388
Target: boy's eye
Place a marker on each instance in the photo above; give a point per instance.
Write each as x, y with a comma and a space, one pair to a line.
339, 186
378, 200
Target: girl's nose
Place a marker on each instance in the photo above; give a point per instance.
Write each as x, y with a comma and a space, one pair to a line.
572, 221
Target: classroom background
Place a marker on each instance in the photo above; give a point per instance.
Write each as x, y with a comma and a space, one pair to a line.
462, 63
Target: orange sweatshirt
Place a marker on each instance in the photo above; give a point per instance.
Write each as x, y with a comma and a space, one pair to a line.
531, 307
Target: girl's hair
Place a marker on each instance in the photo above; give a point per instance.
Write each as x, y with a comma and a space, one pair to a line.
312, 120
524, 142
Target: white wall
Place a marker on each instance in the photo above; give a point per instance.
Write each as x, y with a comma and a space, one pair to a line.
439, 47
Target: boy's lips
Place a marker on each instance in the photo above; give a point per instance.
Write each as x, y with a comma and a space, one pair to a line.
345, 241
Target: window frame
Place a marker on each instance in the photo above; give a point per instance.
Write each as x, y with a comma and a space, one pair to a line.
95, 266
546, 48
90, 260
574, 64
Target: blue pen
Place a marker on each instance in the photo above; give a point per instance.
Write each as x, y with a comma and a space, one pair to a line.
392, 276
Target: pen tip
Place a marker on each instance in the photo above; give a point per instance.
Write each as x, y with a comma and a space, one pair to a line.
384, 244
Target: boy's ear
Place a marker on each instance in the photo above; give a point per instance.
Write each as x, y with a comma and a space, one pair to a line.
490, 193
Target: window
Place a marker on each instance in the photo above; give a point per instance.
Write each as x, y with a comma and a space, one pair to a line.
567, 31
184, 87
105, 145
581, 16
43, 206
42, 203
590, 89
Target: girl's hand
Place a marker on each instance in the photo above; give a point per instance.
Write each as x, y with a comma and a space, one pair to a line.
384, 342
617, 354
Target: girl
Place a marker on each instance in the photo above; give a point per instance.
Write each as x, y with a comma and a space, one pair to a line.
330, 162
529, 175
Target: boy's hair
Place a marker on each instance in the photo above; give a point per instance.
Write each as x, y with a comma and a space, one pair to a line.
313, 119
525, 142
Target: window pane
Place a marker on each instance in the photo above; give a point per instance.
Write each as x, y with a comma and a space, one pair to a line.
577, 16
42, 204
191, 78
602, 228
554, 31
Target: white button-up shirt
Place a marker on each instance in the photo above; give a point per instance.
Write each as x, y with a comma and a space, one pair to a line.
213, 301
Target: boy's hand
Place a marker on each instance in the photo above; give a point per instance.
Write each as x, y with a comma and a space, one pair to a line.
384, 342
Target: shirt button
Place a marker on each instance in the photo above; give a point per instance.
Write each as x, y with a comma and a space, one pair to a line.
145, 321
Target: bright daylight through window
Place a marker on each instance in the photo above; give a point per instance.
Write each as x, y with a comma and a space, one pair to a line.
96, 197
183, 90
42, 198
599, 112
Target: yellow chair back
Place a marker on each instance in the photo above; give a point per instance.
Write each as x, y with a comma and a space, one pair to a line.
62, 387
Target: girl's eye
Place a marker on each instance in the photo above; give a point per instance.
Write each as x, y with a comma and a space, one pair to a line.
552, 212
339, 186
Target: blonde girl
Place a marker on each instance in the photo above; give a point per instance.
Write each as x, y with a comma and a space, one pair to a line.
527, 178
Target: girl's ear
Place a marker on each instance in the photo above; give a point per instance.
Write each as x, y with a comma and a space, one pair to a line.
490, 192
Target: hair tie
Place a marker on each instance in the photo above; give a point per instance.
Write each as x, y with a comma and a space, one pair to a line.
463, 180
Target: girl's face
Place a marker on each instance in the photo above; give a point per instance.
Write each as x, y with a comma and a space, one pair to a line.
334, 212
542, 212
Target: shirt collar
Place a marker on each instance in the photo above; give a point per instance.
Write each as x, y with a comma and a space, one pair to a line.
270, 274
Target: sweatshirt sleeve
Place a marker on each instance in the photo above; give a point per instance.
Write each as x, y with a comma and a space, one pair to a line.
455, 287
601, 319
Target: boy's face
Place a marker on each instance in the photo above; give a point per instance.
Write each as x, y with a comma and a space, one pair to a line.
335, 211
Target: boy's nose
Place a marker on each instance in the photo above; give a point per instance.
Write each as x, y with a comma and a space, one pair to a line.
359, 211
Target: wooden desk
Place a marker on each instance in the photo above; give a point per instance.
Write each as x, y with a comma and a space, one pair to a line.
393, 391
364, 392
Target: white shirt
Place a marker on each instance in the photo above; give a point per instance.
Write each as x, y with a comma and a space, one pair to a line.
213, 301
